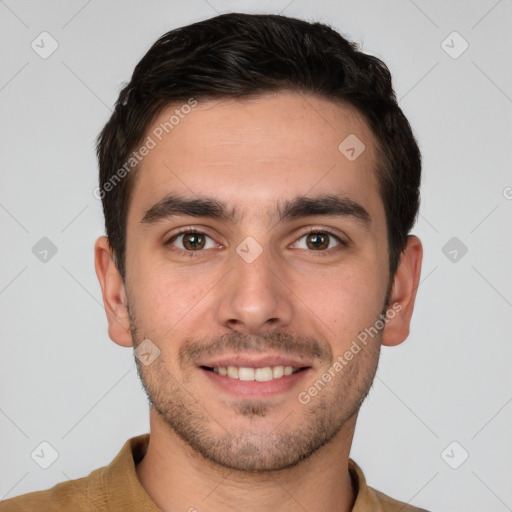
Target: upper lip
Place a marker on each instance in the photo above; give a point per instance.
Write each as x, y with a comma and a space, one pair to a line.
243, 360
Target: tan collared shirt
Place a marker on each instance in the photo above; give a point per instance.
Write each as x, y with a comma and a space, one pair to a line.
116, 488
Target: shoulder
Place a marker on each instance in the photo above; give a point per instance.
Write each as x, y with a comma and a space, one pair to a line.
72, 495
368, 498
113, 487
389, 504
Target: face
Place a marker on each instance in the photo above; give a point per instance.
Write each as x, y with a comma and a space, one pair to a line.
255, 245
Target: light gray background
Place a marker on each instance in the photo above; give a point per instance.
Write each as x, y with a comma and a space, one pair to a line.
63, 381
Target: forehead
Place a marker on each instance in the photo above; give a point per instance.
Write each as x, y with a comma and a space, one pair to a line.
254, 151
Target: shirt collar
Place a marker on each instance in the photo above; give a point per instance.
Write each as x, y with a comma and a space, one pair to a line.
124, 490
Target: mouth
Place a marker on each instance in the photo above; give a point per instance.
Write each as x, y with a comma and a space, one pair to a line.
259, 374
251, 378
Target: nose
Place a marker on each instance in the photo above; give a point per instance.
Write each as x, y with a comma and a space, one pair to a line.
254, 297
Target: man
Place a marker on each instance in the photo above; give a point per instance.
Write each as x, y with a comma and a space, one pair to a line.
259, 183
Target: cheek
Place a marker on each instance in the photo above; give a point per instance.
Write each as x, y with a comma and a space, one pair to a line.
166, 299
348, 302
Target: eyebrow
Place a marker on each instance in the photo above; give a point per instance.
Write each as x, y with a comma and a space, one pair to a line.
328, 205
298, 207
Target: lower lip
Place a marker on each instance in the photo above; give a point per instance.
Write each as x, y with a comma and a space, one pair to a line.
254, 388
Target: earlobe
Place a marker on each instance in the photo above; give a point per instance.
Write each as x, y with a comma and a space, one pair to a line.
403, 293
113, 290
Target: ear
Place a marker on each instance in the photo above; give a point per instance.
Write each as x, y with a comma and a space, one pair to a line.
403, 293
114, 293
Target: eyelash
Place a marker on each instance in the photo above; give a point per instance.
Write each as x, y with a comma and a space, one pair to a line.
342, 244
193, 254
185, 231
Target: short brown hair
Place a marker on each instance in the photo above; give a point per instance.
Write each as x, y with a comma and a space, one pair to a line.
242, 55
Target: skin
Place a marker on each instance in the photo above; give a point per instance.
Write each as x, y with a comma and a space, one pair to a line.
210, 449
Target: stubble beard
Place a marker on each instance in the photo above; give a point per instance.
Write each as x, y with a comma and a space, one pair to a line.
301, 431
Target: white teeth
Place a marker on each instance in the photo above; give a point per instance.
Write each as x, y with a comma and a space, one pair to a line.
246, 373
232, 372
263, 374
259, 374
277, 372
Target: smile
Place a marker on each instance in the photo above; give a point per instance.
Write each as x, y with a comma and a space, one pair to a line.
262, 374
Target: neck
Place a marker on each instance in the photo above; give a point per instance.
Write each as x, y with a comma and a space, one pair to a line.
178, 478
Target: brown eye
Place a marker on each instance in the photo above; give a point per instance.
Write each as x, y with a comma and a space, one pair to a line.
318, 241
192, 241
